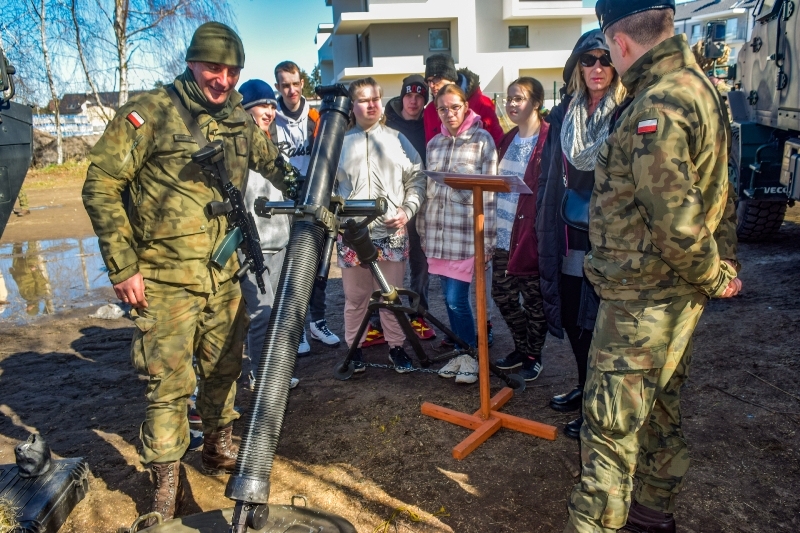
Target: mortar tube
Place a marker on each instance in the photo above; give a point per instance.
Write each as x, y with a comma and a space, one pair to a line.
249, 484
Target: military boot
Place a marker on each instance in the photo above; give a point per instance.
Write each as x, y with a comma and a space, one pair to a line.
219, 452
169, 491
642, 519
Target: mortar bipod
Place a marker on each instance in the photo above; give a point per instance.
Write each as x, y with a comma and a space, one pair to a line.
356, 235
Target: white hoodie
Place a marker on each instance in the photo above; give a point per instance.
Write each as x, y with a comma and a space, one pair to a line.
293, 140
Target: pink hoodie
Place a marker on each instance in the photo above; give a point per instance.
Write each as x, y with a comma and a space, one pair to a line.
470, 119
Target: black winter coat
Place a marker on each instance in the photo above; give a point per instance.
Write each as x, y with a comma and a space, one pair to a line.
414, 130
552, 232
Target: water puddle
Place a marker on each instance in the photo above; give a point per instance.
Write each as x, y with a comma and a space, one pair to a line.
48, 277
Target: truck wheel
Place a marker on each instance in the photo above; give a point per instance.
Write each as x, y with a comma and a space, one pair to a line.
758, 219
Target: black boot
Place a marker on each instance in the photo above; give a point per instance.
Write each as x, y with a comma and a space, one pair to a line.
642, 519
573, 429
571, 401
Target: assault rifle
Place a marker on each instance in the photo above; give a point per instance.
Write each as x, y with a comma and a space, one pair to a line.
242, 232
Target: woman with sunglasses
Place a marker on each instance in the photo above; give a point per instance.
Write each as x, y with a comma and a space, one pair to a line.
515, 277
579, 126
446, 225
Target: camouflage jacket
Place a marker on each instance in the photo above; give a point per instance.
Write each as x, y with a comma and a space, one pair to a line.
165, 233
661, 186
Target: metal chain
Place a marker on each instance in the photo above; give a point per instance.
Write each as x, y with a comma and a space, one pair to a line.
423, 370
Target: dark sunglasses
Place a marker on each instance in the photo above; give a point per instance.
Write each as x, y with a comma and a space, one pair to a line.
588, 60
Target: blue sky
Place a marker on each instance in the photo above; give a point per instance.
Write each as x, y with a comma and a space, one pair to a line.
276, 30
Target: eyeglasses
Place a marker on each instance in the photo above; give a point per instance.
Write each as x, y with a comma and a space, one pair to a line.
433, 80
588, 60
514, 100
444, 111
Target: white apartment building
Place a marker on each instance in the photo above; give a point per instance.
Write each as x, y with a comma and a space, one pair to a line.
499, 40
691, 18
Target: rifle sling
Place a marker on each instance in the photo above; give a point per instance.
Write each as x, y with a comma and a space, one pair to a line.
186, 116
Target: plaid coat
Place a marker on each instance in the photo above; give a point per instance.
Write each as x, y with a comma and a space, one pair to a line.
445, 224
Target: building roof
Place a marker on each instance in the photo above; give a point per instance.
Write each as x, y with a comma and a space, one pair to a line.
698, 8
70, 103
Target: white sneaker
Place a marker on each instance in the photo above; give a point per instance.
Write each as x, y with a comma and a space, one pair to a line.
304, 348
293, 383
319, 332
470, 365
449, 370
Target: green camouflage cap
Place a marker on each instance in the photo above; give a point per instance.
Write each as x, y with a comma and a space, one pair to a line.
214, 42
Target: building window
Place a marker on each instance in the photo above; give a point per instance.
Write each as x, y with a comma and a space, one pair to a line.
439, 39
696, 33
518, 37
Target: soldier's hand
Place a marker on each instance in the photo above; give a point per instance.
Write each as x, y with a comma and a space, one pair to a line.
132, 291
732, 289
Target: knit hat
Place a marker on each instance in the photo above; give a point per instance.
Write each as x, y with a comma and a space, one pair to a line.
415, 84
610, 11
257, 92
591, 40
441, 65
214, 42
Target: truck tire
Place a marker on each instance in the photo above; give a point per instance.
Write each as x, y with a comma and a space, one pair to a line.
758, 219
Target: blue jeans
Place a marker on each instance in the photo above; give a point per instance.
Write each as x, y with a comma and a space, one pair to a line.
459, 310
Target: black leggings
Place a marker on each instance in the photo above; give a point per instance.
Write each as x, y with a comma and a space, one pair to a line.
579, 338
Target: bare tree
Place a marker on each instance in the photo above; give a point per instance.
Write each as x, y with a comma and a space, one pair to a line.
41, 16
73, 7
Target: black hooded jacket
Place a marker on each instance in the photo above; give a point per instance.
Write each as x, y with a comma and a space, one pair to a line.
414, 130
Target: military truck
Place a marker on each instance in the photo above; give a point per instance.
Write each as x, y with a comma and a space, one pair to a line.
765, 108
16, 142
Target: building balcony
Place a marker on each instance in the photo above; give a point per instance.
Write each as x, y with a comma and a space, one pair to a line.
384, 66
355, 22
544, 9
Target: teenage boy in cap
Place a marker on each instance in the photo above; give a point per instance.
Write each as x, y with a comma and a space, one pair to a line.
440, 70
157, 252
258, 99
404, 114
661, 248
297, 123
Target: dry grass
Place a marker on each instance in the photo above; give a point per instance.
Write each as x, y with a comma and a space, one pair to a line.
70, 173
8, 517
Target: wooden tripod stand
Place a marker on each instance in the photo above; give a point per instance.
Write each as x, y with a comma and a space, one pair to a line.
487, 420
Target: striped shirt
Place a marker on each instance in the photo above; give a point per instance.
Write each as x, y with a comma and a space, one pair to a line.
514, 163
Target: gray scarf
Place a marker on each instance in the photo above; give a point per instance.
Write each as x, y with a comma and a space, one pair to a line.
582, 136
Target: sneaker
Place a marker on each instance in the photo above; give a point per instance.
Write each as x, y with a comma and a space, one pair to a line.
468, 373
512, 360
194, 416
449, 370
489, 334
304, 349
530, 370
195, 440
400, 360
423, 330
319, 332
358, 361
374, 337
293, 383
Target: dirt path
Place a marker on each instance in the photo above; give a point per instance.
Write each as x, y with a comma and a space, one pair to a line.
362, 449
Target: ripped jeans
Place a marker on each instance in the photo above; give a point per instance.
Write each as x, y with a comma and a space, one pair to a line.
459, 310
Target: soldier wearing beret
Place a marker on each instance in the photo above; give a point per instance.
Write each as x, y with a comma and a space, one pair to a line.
663, 243
157, 251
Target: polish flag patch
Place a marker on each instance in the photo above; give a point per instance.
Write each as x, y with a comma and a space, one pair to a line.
647, 126
135, 119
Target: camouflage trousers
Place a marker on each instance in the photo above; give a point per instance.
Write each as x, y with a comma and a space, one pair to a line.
524, 316
23, 199
638, 362
178, 324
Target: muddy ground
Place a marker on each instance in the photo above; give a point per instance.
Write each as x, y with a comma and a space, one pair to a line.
361, 448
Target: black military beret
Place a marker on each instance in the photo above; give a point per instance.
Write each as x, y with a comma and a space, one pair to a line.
610, 11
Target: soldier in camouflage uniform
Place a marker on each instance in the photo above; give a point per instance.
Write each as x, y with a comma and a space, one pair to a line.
157, 253
663, 243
